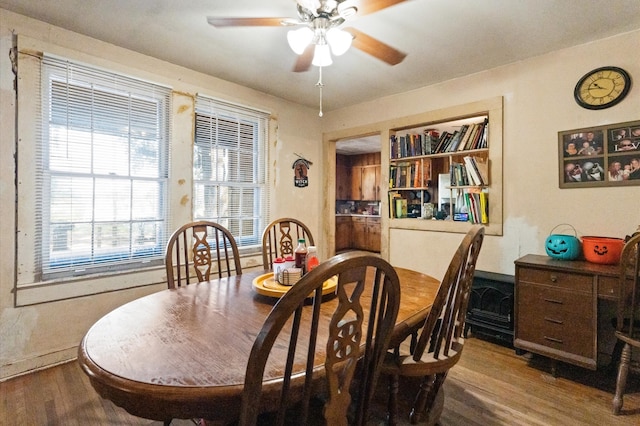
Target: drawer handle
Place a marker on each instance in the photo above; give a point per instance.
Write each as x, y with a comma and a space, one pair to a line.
556, 301
553, 320
554, 278
553, 339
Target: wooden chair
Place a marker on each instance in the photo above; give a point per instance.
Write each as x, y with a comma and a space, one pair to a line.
195, 249
628, 315
367, 302
280, 238
439, 345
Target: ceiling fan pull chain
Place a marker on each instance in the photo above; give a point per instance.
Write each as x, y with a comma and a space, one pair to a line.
320, 85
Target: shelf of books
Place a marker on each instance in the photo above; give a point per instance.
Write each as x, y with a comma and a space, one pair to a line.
447, 174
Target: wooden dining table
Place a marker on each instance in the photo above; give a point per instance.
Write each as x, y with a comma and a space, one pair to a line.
182, 353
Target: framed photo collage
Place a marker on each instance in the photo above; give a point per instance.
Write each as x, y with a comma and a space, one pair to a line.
600, 156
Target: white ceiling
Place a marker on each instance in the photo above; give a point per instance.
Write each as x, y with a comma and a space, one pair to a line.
443, 39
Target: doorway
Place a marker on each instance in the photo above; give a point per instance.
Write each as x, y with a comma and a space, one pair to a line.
358, 194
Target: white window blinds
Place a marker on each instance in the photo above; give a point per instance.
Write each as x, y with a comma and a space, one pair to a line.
229, 169
103, 169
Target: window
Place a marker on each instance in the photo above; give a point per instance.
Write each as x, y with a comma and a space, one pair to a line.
102, 172
229, 178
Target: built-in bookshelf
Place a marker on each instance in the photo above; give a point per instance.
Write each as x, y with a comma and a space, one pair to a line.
453, 163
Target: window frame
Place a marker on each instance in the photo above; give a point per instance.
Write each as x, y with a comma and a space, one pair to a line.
33, 284
221, 116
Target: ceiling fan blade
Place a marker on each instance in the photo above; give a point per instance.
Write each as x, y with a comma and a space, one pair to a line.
375, 47
246, 22
303, 63
366, 7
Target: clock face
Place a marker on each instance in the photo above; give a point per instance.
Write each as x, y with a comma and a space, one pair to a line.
602, 88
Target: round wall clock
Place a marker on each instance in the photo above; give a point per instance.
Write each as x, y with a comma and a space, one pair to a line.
602, 88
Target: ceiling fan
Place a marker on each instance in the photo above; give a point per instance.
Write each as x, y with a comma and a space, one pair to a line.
320, 31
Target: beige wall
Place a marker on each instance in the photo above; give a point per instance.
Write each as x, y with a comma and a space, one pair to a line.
538, 103
44, 334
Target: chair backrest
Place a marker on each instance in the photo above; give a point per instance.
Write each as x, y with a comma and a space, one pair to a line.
628, 320
280, 238
195, 248
444, 325
359, 330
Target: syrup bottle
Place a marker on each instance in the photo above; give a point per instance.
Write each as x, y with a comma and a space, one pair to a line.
300, 254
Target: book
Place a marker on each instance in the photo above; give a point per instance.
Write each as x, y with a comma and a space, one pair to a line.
444, 138
426, 174
484, 207
402, 147
392, 176
429, 141
402, 176
401, 207
417, 176
393, 146
464, 178
482, 142
416, 145
472, 137
475, 144
465, 138
472, 171
393, 196
453, 143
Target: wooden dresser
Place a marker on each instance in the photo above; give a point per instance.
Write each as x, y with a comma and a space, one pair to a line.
556, 307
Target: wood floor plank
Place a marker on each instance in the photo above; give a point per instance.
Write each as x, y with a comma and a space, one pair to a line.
491, 385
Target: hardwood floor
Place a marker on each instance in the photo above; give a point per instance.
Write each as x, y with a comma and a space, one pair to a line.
490, 385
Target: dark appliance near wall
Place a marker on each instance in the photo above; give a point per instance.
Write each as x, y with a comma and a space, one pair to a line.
490, 309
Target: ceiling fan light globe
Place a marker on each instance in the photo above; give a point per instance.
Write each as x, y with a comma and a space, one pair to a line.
299, 39
340, 41
322, 56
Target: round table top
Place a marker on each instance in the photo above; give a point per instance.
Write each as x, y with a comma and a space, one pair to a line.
182, 353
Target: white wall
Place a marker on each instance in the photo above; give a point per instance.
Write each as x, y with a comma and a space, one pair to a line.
538, 103
44, 334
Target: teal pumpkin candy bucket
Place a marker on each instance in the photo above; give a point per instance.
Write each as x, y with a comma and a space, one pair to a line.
563, 246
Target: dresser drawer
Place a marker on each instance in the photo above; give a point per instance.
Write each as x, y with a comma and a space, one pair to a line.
359, 219
608, 287
571, 281
556, 318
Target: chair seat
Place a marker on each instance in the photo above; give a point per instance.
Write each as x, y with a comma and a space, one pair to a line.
405, 365
440, 341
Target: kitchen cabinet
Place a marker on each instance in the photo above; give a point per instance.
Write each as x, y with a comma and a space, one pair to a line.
373, 234
359, 235
343, 233
365, 233
365, 183
370, 183
343, 178
365, 177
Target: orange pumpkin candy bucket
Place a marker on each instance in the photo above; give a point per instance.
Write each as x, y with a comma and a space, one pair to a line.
602, 250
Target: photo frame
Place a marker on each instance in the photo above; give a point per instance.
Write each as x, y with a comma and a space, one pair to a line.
600, 156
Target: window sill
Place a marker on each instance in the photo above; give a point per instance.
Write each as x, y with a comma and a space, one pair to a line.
51, 291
